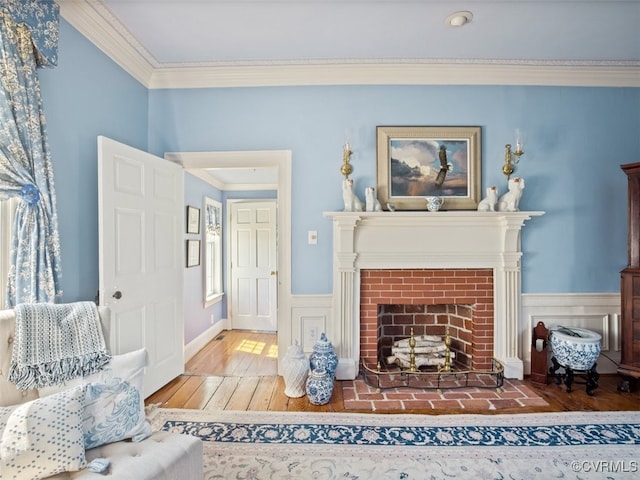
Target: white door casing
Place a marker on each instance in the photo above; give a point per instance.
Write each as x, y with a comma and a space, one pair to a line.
253, 265
196, 163
141, 255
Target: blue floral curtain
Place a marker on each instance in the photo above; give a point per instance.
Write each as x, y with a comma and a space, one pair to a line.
25, 163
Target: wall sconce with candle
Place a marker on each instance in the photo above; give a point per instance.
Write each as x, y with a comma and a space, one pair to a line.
346, 169
512, 158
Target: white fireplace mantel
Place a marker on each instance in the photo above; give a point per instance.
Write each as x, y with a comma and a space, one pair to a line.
455, 239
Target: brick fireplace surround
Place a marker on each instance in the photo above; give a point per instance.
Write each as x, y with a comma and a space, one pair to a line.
444, 287
465, 257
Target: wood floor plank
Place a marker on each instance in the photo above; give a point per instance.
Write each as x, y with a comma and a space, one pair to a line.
203, 395
263, 393
223, 394
229, 374
250, 349
165, 393
279, 401
212, 359
243, 394
184, 393
299, 404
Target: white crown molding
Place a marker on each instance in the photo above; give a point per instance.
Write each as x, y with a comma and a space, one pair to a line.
93, 20
401, 73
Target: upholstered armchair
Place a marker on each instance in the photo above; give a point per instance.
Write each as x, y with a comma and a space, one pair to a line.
54, 413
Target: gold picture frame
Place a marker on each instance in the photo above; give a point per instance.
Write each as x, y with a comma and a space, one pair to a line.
418, 162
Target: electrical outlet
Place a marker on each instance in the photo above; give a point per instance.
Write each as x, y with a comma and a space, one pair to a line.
313, 334
212, 319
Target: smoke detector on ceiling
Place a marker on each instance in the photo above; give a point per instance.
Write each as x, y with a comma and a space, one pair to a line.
459, 19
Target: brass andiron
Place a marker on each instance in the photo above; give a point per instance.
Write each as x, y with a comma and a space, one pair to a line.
447, 353
412, 353
511, 159
346, 169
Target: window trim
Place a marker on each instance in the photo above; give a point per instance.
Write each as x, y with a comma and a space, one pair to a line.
215, 296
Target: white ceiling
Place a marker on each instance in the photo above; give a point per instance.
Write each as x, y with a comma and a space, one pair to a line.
200, 31
221, 43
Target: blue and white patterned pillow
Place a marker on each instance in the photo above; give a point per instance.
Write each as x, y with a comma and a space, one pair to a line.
43, 437
114, 402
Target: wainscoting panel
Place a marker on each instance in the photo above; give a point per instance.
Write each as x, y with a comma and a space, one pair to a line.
310, 316
597, 312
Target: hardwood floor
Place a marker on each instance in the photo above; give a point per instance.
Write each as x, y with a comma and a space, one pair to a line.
238, 371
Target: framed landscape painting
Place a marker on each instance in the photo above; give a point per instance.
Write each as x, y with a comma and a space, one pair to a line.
419, 162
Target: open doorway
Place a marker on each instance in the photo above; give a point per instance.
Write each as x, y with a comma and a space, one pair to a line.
197, 163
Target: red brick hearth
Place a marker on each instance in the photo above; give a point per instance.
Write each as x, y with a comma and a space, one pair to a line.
514, 393
470, 290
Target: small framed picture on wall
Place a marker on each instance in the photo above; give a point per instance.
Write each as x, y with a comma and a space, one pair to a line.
193, 219
193, 253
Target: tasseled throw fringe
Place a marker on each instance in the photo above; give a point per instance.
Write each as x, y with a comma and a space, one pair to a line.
55, 343
53, 373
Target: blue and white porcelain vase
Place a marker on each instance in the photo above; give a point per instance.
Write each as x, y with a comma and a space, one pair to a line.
295, 368
319, 387
324, 356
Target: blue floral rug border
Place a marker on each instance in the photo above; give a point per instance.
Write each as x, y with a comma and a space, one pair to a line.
449, 436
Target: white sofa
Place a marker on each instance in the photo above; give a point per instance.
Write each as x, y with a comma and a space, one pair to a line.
161, 456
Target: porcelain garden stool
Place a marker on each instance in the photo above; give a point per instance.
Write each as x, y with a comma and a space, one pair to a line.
576, 350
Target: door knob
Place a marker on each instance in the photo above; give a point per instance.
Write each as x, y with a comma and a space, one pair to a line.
117, 295
274, 272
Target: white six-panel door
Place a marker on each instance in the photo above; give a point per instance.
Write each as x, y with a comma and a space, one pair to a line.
253, 266
141, 256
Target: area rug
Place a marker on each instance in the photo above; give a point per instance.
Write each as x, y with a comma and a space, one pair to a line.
322, 446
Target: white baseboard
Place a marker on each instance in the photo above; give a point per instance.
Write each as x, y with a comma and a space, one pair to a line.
198, 343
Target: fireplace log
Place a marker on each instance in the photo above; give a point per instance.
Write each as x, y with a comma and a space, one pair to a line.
403, 360
420, 340
419, 349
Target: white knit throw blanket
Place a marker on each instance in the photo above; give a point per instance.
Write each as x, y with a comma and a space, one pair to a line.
55, 343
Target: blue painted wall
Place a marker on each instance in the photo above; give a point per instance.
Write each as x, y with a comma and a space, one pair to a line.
87, 95
576, 140
198, 318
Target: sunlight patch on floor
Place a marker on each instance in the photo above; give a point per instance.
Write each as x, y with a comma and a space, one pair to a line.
273, 351
251, 346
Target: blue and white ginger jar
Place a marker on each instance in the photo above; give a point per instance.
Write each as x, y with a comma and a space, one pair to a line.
319, 387
324, 356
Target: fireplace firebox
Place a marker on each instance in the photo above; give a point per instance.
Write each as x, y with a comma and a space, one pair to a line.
392, 301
